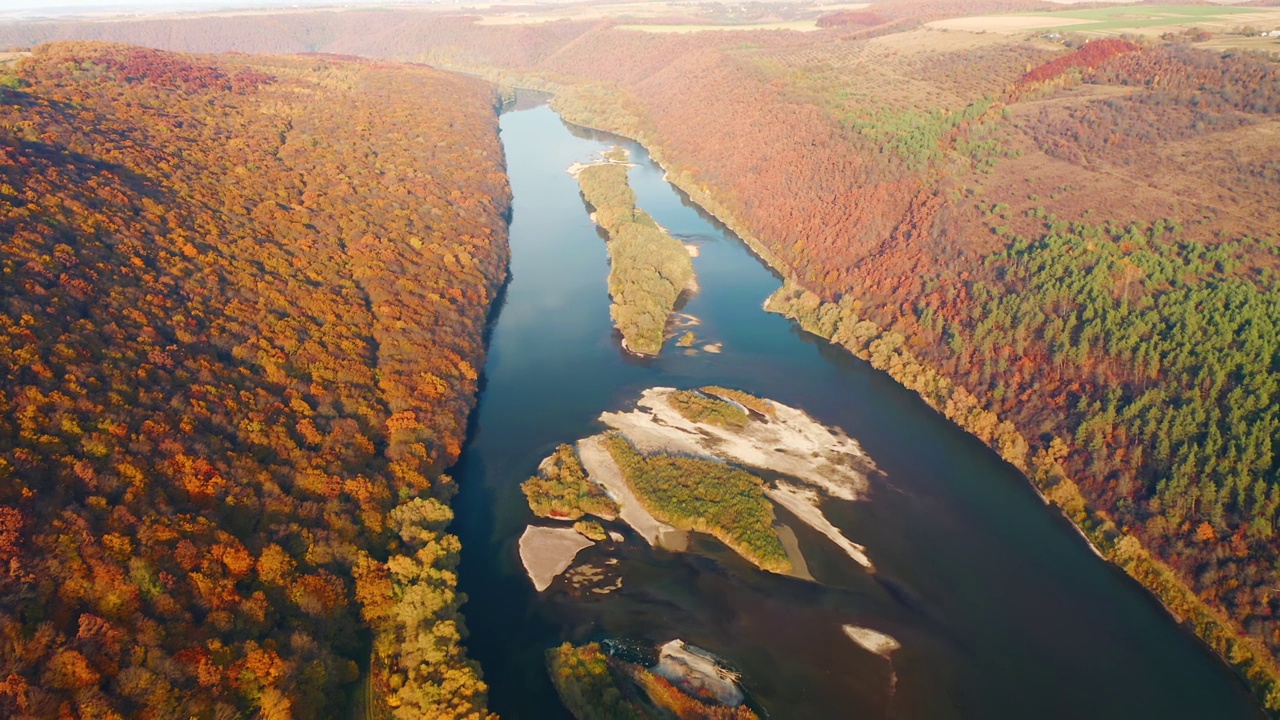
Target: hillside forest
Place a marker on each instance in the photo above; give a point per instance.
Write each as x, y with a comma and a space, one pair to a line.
1065, 244
240, 326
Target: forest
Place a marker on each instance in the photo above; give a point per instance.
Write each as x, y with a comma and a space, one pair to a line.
221, 439
1026, 231
648, 269
1065, 246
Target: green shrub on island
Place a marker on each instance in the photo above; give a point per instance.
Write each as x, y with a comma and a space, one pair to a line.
687, 340
591, 530
595, 686
562, 491
699, 408
648, 268
747, 400
588, 686
706, 496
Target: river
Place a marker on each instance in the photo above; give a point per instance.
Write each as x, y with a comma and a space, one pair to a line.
1001, 608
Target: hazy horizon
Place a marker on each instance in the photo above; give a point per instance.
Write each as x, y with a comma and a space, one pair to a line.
47, 8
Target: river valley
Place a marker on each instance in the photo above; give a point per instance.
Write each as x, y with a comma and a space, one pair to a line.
1000, 608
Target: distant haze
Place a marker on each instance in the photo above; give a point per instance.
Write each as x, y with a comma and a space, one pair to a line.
62, 8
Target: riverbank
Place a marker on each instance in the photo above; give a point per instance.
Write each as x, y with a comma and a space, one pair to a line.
1245, 655
950, 521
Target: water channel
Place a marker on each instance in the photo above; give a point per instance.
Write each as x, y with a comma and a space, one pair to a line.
1001, 609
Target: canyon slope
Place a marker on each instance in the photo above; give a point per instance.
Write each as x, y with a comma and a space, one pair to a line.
240, 326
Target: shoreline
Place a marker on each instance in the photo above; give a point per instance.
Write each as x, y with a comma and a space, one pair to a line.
803, 503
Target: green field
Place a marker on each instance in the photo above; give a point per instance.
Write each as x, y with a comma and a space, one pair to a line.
1127, 17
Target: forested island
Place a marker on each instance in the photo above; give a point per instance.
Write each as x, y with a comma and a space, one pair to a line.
648, 269
221, 445
641, 683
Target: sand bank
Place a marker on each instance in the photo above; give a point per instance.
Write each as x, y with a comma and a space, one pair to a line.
873, 641
546, 552
790, 443
803, 502
698, 674
799, 568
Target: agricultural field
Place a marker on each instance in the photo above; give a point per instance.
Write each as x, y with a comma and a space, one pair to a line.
1126, 19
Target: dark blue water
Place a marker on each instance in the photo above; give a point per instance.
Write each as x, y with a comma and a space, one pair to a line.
1002, 611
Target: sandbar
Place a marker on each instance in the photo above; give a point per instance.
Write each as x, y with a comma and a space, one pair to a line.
548, 551
803, 503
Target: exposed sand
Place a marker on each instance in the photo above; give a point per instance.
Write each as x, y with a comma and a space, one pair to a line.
601, 468
799, 568
694, 250
881, 644
872, 641
791, 443
713, 348
803, 502
577, 168
697, 674
548, 551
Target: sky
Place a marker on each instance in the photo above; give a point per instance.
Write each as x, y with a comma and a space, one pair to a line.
64, 7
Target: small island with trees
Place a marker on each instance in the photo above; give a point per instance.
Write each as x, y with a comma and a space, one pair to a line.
648, 268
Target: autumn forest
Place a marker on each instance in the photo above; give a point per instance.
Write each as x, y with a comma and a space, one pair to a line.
225, 426
222, 441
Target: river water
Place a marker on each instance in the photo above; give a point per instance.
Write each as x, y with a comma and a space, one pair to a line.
1001, 609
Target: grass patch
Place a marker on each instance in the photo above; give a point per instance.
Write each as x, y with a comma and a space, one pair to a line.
699, 408
747, 400
563, 492
705, 496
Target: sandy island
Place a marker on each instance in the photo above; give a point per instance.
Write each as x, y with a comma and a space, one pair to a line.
698, 674
872, 641
790, 443
548, 551
804, 504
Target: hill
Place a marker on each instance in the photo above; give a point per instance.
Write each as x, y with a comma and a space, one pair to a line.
240, 325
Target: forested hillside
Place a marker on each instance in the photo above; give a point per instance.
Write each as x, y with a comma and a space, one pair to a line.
240, 326
1032, 237
1069, 249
